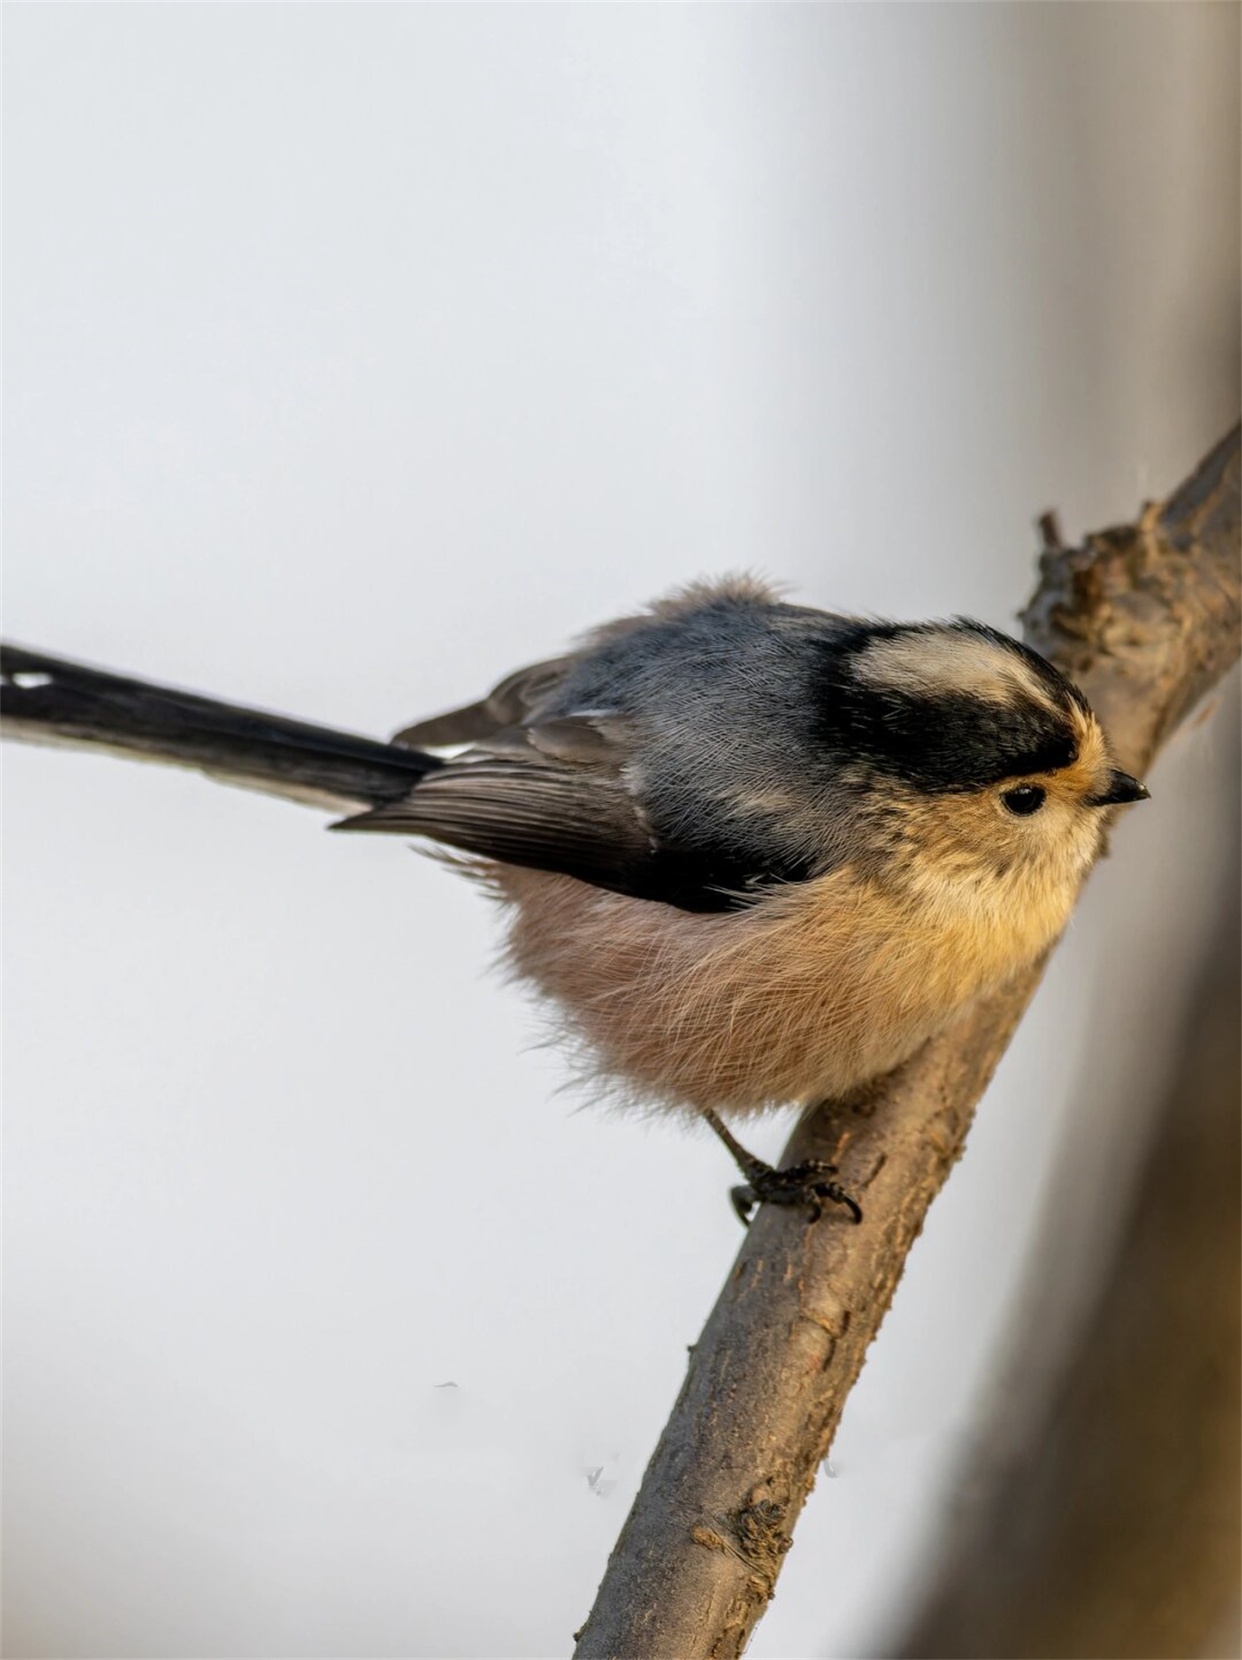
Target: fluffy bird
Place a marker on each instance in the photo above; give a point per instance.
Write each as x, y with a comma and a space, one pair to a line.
753, 854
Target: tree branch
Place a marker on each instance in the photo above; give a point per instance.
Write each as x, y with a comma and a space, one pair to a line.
1146, 619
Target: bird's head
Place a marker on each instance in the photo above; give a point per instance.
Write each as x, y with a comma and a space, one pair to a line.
991, 756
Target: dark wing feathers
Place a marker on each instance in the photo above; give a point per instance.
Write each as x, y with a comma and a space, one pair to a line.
535, 799
551, 786
508, 704
524, 812
550, 794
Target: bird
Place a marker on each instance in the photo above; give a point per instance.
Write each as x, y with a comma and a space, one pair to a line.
750, 853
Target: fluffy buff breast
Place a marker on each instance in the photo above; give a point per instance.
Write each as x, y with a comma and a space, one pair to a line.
816, 990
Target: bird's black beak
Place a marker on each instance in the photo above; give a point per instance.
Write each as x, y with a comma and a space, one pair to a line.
1121, 788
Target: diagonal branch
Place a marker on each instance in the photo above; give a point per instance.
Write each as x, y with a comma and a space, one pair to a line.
1146, 618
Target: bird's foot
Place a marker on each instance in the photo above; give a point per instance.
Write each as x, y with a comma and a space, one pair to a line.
809, 1183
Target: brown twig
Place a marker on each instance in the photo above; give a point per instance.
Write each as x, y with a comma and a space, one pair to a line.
1146, 618
1048, 524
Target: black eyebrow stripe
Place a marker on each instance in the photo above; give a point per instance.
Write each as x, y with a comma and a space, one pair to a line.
1049, 757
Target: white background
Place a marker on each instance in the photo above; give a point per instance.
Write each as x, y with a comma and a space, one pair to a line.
356, 355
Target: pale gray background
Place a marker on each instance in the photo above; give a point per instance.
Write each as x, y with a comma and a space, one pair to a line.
354, 356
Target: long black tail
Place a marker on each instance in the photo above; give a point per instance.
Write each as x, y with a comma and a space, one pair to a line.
49, 701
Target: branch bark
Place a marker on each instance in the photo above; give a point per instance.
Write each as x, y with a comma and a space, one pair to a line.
1146, 618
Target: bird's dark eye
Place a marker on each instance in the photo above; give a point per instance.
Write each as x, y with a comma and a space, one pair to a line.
1025, 799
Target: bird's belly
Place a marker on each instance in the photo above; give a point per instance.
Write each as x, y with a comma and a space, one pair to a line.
818, 989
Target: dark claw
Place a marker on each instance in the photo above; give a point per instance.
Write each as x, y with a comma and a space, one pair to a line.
809, 1184
744, 1201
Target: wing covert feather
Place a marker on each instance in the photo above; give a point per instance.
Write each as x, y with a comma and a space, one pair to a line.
544, 814
509, 703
